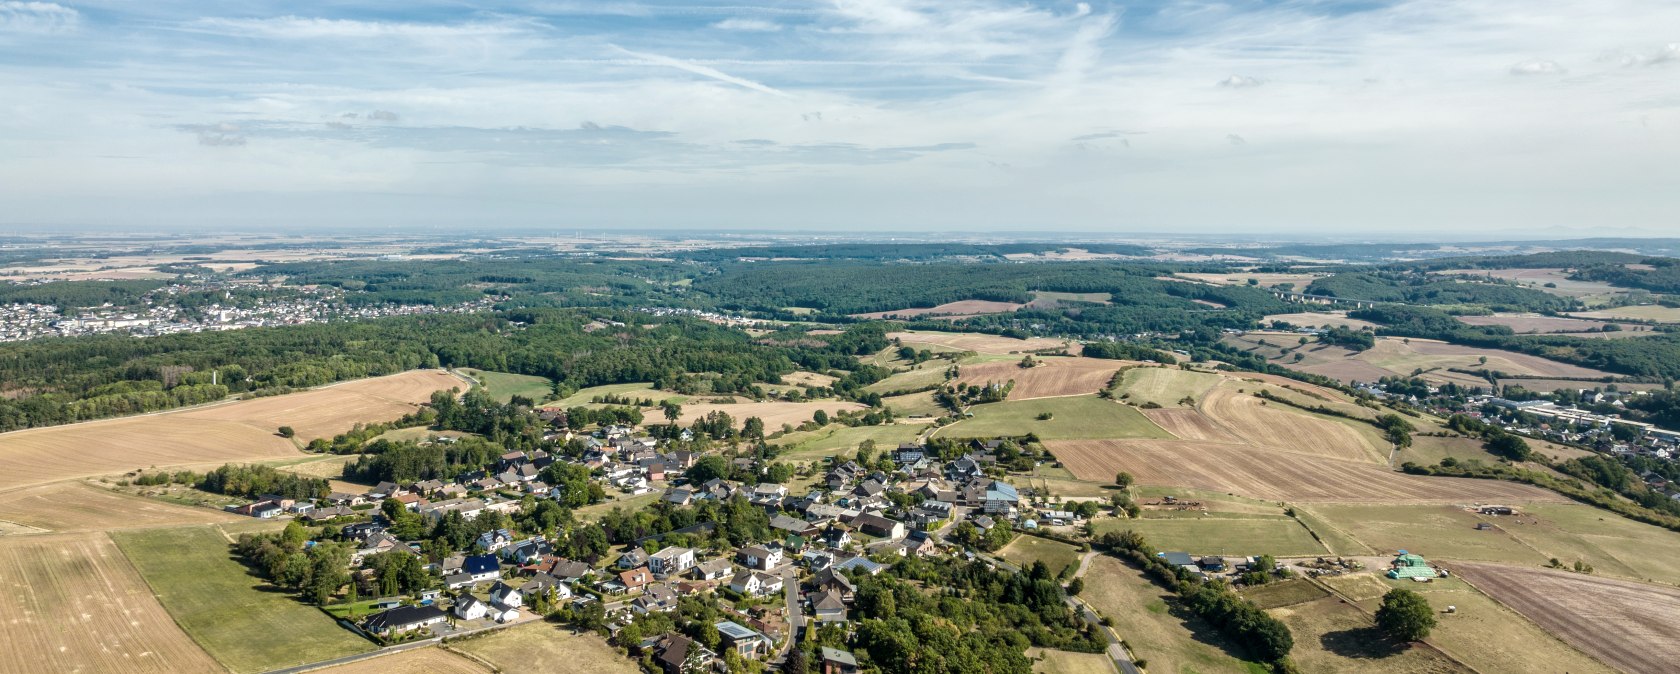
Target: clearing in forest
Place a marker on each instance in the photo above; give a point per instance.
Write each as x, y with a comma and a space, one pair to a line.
1632, 626
236, 431
74, 604
1051, 377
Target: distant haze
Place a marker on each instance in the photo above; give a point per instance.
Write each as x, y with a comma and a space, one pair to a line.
1410, 119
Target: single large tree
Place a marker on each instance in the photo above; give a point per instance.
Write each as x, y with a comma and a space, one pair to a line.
1405, 615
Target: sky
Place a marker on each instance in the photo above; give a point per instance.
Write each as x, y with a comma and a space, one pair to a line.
1427, 118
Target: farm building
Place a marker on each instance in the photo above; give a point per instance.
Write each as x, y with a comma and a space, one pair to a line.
1407, 565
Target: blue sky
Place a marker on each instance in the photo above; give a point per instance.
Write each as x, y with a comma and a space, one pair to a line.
1435, 117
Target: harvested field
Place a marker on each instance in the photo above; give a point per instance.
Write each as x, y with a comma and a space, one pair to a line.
535, 648
1402, 356
1321, 319
417, 661
74, 506
1274, 426
980, 343
1043, 299
1563, 286
774, 414
1632, 626
1274, 475
1333, 637
1072, 417
803, 378
72, 603
1190, 424
237, 431
1052, 377
1164, 386
1643, 312
1264, 280
1536, 323
962, 308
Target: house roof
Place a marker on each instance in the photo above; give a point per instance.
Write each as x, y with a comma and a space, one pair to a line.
838, 656
735, 632
402, 617
480, 564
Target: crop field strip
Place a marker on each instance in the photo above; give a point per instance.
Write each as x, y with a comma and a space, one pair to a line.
72, 602
74, 506
236, 431
1051, 378
774, 414
1632, 626
980, 343
431, 660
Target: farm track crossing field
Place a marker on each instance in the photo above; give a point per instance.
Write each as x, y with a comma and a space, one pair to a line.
74, 506
1190, 424
1632, 626
72, 603
1052, 377
982, 343
540, 648
237, 431
430, 660
1269, 474
237, 617
774, 414
1072, 417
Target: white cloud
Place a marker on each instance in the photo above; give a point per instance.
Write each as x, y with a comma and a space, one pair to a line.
1538, 67
307, 28
1239, 82
748, 25
1235, 139
37, 17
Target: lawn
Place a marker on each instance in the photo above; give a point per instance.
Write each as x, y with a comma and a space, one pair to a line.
1284, 593
503, 386
1047, 661
545, 647
1171, 639
1072, 418
806, 446
1278, 536
1025, 550
237, 617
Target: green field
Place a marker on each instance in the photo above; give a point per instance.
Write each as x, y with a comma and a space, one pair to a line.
1253, 535
915, 404
1025, 550
806, 446
590, 513
931, 373
504, 386
1164, 386
1171, 638
1073, 418
237, 617
1284, 593
635, 391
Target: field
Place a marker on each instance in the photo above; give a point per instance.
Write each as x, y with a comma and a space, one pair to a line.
1264, 280
1644, 312
1536, 323
617, 500
1164, 386
1191, 424
1274, 475
774, 414
1279, 536
539, 646
1549, 385
914, 404
237, 431
633, 391
1563, 286
1331, 636
1631, 626
1052, 377
922, 376
1044, 299
1613, 545
74, 506
416, 661
1321, 319
1025, 550
1266, 424
1076, 417
74, 604
963, 308
1394, 356
978, 343
810, 379
1146, 616
833, 439
1284, 593
1068, 662
503, 386
233, 614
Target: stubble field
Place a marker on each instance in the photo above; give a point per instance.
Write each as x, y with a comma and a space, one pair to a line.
1052, 377
74, 506
979, 343
1632, 626
774, 414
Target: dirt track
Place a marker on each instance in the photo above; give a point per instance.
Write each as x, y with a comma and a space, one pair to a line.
1631, 626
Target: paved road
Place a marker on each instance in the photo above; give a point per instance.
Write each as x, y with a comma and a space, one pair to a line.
1116, 651
790, 594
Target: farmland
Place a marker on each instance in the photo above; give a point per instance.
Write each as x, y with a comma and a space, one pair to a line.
1274, 475
1052, 377
919, 377
1284, 593
1401, 357
1077, 417
914, 404
978, 343
1299, 281
774, 414
1632, 626
1213, 535
952, 309
834, 439
637, 391
535, 647
237, 431
74, 506
1643, 312
1321, 319
1536, 323
504, 386
74, 604
1269, 425
1025, 550
232, 613
416, 661
1331, 636
1171, 638
1164, 386
1538, 279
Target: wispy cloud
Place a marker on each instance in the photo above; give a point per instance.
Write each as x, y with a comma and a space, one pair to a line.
702, 70
1538, 67
306, 28
748, 25
1239, 82
37, 17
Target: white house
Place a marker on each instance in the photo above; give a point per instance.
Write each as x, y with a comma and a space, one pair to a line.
756, 583
760, 557
671, 561
507, 596
469, 607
